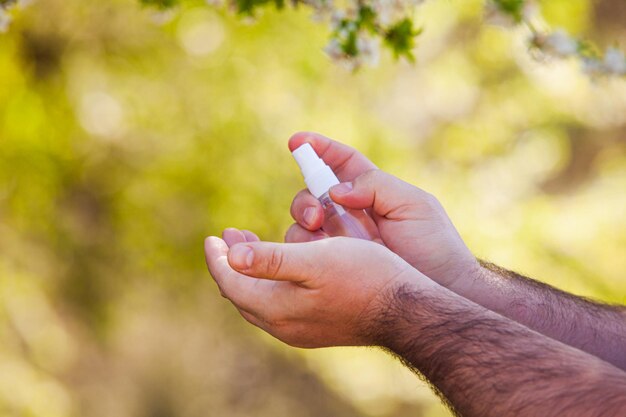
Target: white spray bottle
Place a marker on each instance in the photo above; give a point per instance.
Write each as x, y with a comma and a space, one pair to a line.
338, 220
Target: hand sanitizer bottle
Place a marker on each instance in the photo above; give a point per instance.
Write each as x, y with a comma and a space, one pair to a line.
338, 220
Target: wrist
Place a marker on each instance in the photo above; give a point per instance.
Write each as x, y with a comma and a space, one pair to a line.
465, 279
401, 309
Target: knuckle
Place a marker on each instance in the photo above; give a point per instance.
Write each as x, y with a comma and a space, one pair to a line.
374, 179
426, 200
430, 201
275, 262
370, 176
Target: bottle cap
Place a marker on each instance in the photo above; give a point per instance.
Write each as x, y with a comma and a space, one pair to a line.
317, 175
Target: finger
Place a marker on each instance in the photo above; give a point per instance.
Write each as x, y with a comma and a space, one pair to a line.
250, 236
228, 280
297, 234
307, 210
214, 249
346, 162
259, 297
385, 194
232, 236
293, 262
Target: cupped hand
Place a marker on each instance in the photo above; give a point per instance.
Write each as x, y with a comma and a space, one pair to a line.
411, 222
328, 292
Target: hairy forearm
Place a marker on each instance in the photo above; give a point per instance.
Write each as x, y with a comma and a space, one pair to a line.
485, 365
598, 329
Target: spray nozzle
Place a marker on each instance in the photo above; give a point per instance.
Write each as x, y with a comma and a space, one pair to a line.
307, 159
317, 175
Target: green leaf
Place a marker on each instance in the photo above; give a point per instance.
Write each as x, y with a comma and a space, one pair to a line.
367, 18
514, 8
401, 38
349, 45
160, 4
248, 7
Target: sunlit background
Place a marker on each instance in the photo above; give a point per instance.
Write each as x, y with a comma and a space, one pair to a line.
124, 142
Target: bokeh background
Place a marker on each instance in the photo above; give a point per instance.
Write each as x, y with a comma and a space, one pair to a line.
124, 142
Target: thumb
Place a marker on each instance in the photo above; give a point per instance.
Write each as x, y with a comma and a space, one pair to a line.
276, 261
387, 195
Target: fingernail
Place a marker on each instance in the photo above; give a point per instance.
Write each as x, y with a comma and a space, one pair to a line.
309, 215
241, 256
343, 188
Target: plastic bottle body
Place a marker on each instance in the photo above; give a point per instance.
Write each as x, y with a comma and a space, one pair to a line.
339, 221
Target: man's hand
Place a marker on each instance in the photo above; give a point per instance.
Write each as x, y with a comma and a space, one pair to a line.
323, 293
411, 222
343, 291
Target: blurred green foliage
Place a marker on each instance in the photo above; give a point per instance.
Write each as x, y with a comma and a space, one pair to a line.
401, 38
347, 27
124, 143
514, 8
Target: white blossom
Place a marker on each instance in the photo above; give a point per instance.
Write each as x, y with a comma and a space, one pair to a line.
336, 17
345, 21
321, 8
614, 61
369, 49
561, 44
333, 49
390, 11
592, 66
